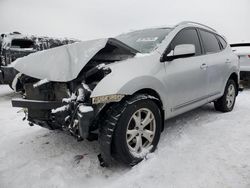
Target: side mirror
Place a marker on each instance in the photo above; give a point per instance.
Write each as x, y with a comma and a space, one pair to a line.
180, 51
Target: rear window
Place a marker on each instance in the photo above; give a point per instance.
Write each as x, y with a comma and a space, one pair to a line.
210, 42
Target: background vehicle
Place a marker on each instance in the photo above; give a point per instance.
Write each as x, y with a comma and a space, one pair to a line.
243, 51
121, 90
15, 45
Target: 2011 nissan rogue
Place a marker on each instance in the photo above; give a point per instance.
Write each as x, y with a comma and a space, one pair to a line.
120, 90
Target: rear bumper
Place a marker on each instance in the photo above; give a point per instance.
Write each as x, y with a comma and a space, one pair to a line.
244, 68
36, 104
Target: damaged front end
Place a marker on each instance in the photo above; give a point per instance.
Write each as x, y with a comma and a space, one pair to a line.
66, 105
55, 106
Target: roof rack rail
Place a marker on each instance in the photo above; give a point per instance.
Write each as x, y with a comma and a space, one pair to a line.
187, 22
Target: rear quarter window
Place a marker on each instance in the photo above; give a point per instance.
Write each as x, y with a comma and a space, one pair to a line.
222, 41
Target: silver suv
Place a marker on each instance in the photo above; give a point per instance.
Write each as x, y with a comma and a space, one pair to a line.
120, 90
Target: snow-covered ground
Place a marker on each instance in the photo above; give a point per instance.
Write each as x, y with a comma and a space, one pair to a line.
202, 148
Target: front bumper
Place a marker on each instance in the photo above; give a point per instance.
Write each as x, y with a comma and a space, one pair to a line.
36, 104
35, 107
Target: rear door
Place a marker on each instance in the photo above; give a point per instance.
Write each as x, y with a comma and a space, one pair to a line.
217, 61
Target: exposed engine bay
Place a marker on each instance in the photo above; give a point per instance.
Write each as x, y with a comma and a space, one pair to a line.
67, 105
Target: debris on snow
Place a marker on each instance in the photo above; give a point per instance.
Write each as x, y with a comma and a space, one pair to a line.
78, 158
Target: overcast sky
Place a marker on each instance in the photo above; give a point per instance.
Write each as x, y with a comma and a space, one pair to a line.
88, 19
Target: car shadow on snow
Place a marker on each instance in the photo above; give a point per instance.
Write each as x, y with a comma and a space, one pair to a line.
202, 113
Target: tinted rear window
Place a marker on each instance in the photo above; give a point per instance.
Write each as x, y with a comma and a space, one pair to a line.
210, 42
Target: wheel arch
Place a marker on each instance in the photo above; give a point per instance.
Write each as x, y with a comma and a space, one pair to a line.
158, 102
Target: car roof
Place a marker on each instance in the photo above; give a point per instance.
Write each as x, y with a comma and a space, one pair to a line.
196, 24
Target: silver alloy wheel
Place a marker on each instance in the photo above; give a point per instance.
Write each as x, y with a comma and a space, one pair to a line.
230, 95
141, 131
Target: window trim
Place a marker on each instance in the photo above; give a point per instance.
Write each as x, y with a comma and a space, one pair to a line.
218, 38
186, 28
215, 35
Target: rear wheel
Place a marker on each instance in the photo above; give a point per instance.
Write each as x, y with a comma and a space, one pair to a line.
227, 101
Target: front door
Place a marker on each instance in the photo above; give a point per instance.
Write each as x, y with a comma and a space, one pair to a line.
186, 78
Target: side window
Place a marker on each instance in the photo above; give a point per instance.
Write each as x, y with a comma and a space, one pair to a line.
210, 42
186, 36
223, 42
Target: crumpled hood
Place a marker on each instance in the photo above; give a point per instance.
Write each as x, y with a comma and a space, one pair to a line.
60, 64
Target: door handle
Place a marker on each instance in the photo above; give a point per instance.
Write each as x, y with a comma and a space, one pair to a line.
203, 66
228, 61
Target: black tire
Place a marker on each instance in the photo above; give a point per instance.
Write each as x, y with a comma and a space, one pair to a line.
119, 116
222, 104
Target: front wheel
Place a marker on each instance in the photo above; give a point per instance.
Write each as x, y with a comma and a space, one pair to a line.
137, 131
227, 101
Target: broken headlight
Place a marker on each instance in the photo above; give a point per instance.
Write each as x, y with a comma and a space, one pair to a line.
107, 98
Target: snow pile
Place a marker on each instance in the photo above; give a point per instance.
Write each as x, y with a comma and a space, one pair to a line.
202, 148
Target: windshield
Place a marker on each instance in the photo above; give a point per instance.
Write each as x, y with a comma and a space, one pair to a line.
145, 41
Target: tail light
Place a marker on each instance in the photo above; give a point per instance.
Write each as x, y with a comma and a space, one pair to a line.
249, 56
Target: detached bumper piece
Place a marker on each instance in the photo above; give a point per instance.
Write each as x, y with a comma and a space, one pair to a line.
36, 104
85, 119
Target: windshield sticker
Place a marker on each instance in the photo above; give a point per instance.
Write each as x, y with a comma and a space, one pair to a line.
147, 39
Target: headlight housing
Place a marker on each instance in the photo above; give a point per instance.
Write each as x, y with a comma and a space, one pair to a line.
107, 98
